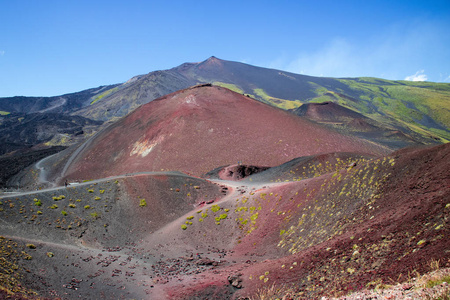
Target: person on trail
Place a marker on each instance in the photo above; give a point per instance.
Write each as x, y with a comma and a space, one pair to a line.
66, 183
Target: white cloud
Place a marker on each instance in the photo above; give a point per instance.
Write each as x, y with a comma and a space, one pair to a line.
391, 53
2, 52
419, 76
334, 60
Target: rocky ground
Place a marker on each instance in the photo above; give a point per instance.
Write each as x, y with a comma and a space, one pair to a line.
324, 226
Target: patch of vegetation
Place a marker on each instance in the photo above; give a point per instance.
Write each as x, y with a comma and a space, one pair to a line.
104, 94
183, 226
37, 202
54, 206
229, 86
433, 282
142, 203
281, 103
64, 213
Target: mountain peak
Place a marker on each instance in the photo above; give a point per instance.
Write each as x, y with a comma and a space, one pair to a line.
212, 58
212, 61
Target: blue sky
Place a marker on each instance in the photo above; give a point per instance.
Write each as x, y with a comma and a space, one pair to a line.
50, 48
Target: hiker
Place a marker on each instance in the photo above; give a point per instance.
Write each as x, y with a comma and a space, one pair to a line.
66, 183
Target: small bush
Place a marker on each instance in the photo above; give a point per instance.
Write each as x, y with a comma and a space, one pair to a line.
64, 213
50, 254
142, 203
54, 206
39, 212
90, 191
87, 206
433, 283
215, 208
37, 202
97, 198
31, 246
190, 217
95, 215
102, 191
71, 205
184, 227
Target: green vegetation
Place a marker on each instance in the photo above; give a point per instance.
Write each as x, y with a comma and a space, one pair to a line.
37, 202
104, 94
4, 113
433, 282
402, 103
87, 207
142, 203
64, 213
281, 103
229, 86
54, 206
184, 227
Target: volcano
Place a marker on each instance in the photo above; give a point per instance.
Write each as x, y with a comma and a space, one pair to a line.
201, 128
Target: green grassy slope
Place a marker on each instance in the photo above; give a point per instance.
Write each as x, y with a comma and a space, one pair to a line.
422, 107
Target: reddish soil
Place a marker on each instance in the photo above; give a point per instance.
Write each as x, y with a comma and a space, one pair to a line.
343, 223
201, 128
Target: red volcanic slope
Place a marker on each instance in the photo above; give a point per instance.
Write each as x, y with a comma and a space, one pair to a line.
372, 223
198, 129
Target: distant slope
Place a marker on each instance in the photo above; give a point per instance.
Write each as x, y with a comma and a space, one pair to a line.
57, 104
138, 91
419, 109
21, 131
348, 121
201, 128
